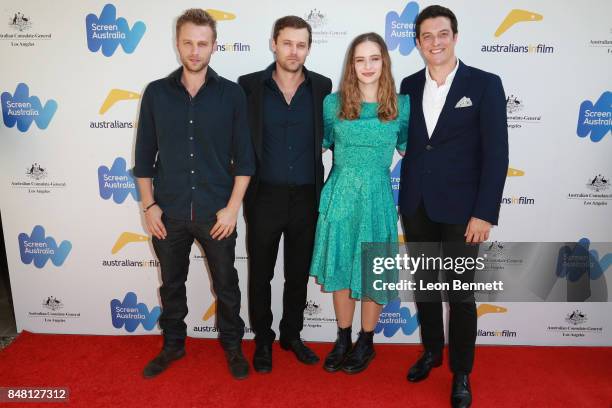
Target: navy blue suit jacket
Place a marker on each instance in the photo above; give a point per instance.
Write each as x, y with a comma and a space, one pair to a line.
460, 171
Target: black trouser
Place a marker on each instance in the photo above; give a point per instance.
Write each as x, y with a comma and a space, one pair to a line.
277, 210
173, 254
443, 240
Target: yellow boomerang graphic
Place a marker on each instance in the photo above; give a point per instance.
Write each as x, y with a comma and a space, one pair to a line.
219, 15
486, 308
211, 311
116, 95
127, 237
517, 16
515, 172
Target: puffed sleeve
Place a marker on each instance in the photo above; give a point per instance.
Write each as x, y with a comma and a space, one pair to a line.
330, 115
404, 115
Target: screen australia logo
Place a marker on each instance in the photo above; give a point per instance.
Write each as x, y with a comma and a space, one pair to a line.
38, 248
117, 182
21, 109
395, 317
129, 313
400, 30
107, 32
595, 119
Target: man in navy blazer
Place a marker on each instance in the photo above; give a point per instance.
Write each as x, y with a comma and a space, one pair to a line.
452, 180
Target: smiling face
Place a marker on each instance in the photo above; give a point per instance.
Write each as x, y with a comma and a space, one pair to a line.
291, 48
437, 41
368, 62
195, 45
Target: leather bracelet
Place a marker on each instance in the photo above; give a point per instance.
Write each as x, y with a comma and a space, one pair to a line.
149, 206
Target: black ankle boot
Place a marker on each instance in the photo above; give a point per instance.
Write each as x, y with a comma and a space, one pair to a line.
361, 354
342, 346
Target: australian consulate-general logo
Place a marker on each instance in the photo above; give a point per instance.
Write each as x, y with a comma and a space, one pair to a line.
36, 172
20, 25
52, 311
517, 117
52, 303
37, 180
576, 326
314, 316
322, 29
498, 256
576, 317
312, 308
20, 22
598, 195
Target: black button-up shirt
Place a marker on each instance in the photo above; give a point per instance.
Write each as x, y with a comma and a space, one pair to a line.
288, 134
193, 147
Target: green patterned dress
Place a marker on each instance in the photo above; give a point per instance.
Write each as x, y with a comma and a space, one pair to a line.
357, 199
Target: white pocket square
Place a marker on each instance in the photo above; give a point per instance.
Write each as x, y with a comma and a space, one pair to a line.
464, 102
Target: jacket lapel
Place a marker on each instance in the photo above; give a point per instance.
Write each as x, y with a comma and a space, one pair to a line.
416, 106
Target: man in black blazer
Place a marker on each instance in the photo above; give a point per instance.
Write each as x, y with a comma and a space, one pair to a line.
285, 104
452, 180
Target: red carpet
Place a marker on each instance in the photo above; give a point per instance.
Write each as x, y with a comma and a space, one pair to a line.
105, 371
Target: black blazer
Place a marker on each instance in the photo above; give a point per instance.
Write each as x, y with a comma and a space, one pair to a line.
461, 170
253, 86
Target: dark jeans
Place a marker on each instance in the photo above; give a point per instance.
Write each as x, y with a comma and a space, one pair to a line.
443, 240
173, 254
280, 210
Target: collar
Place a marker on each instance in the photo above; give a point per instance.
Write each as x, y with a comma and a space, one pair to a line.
449, 77
176, 75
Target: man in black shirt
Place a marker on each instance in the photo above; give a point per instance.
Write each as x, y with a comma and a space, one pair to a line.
285, 117
194, 159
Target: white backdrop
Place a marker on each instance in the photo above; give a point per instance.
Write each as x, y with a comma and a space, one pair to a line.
79, 258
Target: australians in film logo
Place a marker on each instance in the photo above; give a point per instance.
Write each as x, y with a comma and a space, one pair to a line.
400, 30
36, 180
130, 313
394, 318
596, 191
486, 309
228, 46
38, 249
323, 27
52, 311
106, 32
129, 239
595, 120
117, 182
518, 115
514, 21
115, 97
21, 109
21, 35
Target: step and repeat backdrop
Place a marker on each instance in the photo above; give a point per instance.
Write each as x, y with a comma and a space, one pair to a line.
71, 80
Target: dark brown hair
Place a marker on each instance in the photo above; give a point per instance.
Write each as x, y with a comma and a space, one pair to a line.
291, 22
198, 17
350, 96
433, 12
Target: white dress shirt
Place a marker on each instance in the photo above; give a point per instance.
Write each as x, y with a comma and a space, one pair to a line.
434, 97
